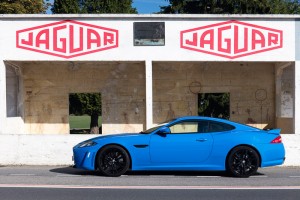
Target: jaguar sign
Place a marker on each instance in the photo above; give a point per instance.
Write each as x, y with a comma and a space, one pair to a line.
231, 39
67, 39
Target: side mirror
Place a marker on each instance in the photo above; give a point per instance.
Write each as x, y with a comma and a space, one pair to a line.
164, 131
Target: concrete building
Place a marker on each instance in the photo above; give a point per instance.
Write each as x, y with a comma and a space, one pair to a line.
148, 68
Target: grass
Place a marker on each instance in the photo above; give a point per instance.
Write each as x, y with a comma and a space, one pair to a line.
82, 122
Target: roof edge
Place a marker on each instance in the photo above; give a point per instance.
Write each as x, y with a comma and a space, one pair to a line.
146, 16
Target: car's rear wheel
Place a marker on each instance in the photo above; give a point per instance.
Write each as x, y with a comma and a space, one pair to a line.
243, 161
113, 160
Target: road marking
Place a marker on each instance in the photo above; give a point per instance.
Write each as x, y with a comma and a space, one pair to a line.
22, 174
258, 176
68, 175
153, 187
208, 176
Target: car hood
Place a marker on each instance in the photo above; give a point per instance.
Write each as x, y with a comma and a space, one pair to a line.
127, 135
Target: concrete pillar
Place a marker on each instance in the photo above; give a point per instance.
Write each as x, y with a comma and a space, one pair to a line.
2, 97
297, 98
149, 95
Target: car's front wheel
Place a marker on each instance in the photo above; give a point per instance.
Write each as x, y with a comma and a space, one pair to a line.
113, 160
243, 161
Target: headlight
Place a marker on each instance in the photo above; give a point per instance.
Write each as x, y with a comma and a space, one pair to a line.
87, 144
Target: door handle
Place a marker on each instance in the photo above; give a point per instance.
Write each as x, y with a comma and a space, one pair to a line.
201, 140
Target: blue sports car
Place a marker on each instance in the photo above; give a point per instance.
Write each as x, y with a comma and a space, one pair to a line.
185, 143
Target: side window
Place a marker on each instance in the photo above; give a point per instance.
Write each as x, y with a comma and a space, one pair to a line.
184, 127
219, 127
203, 126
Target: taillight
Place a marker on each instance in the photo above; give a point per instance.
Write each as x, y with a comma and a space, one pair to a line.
277, 140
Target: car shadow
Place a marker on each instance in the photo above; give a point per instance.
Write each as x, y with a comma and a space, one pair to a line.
178, 173
70, 170
79, 172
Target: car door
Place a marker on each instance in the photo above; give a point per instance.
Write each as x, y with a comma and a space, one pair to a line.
186, 143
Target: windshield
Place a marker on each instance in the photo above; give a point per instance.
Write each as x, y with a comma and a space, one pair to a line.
155, 128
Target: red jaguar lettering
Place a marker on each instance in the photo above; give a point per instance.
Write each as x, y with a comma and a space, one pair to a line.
231, 39
67, 39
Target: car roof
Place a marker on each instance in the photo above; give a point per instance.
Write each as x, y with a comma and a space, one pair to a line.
200, 117
236, 124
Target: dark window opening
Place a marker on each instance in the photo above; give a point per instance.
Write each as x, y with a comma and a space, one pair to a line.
85, 113
214, 105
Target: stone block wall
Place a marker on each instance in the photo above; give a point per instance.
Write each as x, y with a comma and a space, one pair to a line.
251, 86
47, 86
176, 86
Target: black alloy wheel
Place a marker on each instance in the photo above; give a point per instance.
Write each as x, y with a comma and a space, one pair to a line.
113, 161
243, 161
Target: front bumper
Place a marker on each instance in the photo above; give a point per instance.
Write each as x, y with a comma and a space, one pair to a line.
84, 158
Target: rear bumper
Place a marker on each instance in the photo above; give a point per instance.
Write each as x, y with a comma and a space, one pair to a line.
273, 163
272, 155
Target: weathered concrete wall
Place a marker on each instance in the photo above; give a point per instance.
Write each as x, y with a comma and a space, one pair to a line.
47, 86
251, 87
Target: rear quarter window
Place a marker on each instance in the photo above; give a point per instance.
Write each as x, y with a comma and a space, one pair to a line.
219, 127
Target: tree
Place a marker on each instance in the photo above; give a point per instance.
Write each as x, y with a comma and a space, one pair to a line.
232, 7
65, 7
107, 6
23, 6
92, 6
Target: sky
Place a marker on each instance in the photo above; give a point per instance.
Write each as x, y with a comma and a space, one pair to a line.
149, 6
142, 6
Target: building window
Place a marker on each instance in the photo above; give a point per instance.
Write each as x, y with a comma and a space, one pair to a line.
85, 113
214, 105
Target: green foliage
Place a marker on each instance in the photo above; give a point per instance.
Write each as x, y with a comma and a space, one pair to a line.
85, 104
92, 6
232, 7
65, 7
23, 6
107, 6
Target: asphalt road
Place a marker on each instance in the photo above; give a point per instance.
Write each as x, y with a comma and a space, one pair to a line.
125, 194
61, 182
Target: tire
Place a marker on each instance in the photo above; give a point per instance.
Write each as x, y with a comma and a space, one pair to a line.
113, 161
243, 161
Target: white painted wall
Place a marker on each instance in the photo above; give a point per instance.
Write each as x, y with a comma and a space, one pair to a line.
292, 149
57, 149
149, 94
38, 149
297, 98
126, 51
